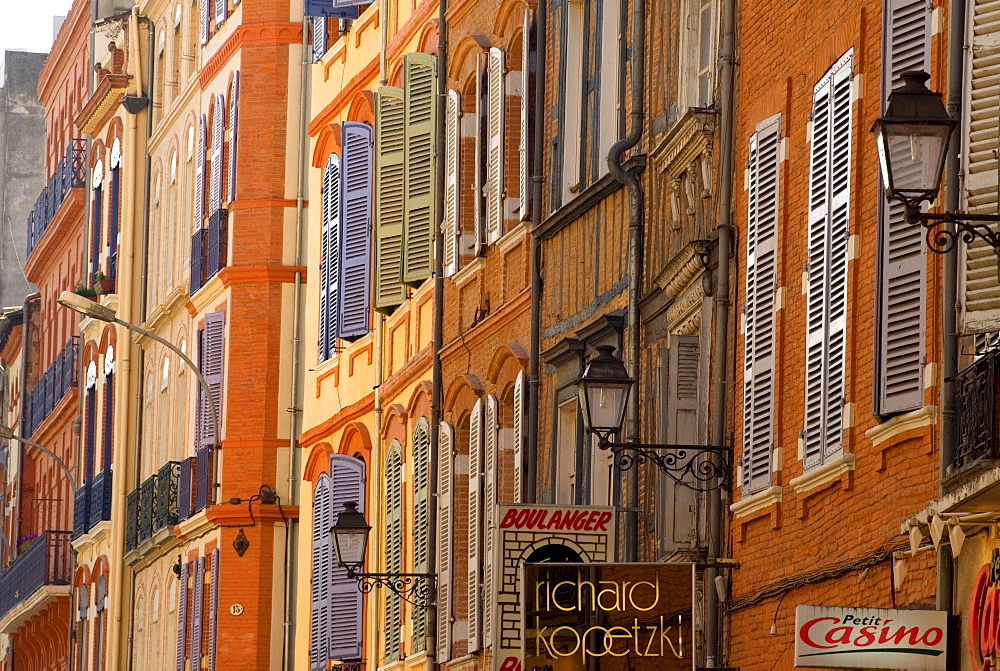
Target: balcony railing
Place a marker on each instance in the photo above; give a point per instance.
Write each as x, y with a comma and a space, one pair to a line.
165, 511
69, 173
209, 249
194, 487
92, 504
976, 394
153, 506
58, 378
46, 561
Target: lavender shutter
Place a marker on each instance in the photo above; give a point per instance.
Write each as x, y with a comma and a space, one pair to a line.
421, 521
206, 12
213, 345
213, 612
419, 217
393, 548
495, 120
491, 428
318, 38
319, 623
234, 112
445, 574
519, 436
902, 260
114, 212
182, 611
761, 284
329, 294
347, 483
475, 523
197, 612
355, 239
389, 149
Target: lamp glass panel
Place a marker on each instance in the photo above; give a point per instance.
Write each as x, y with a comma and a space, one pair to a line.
350, 545
915, 154
606, 404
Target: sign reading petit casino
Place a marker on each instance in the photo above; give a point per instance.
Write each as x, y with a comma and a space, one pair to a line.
609, 616
870, 638
984, 616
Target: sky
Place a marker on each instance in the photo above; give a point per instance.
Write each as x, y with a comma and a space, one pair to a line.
27, 24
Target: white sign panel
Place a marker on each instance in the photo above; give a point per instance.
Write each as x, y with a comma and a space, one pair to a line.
870, 638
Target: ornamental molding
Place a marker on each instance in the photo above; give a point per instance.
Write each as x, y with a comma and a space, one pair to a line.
99, 108
687, 265
690, 138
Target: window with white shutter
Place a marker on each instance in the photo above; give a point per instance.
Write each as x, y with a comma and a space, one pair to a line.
318, 38
329, 261
218, 138
421, 450
491, 430
393, 550
234, 98
495, 120
481, 144
206, 13
979, 304
761, 284
520, 387
475, 524
221, 10
446, 461
198, 215
906, 41
525, 141
453, 120
826, 312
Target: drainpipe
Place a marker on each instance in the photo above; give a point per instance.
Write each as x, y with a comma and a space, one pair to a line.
292, 525
635, 262
949, 289
534, 355
720, 362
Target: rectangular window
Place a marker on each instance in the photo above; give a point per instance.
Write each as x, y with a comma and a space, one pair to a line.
697, 67
680, 419
566, 452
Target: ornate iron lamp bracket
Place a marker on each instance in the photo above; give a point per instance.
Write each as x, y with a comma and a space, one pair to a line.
418, 589
702, 468
968, 229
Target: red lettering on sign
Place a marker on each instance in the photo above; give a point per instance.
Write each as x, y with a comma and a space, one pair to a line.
508, 519
805, 631
510, 664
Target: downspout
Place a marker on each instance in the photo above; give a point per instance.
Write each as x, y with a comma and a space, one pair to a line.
635, 263
720, 360
437, 390
949, 289
535, 338
292, 525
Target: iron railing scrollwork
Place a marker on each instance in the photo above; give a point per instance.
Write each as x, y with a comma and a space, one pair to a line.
100, 498
167, 479
976, 397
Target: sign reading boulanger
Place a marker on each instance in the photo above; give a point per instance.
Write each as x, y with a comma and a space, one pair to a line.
870, 638
606, 617
537, 533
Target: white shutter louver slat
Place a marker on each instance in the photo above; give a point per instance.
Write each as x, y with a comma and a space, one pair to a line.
475, 522
446, 442
453, 120
494, 146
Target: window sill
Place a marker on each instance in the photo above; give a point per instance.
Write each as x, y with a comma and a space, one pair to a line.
925, 416
823, 474
748, 505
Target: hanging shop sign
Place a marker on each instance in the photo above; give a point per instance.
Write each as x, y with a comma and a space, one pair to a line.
828, 637
984, 616
605, 617
534, 533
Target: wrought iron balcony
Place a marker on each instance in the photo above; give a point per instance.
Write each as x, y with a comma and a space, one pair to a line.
132, 520
976, 391
47, 561
167, 479
70, 173
209, 249
57, 379
147, 501
92, 504
153, 505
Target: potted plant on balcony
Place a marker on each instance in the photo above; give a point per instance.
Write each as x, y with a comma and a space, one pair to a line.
82, 289
103, 284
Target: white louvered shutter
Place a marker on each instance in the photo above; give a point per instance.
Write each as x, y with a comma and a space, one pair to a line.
347, 483
393, 549
902, 259
491, 429
980, 291
234, 112
329, 294
218, 136
479, 174
527, 89
220, 11
206, 13
519, 436
494, 146
421, 522
829, 195
475, 522
446, 461
682, 419
182, 619
199, 175
761, 284
319, 623
419, 217
453, 120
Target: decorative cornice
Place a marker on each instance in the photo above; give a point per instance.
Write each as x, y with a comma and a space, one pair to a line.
823, 474
245, 35
749, 505
339, 420
411, 372
917, 419
688, 139
109, 92
687, 265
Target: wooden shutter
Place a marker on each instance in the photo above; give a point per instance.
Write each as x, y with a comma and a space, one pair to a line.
902, 259
453, 120
199, 175
205, 20
329, 271
355, 239
491, 428
495, 109
218, 137
519, 436
182, 611
197, 611
446, 460
420, 104
347, 483
322, 566
221, 11
475, 522
478, 187
761, 284
829, 191
213, 611
234, 112
213, 346
393, 549
318, 38
527, 91
421, 522
682, 421
389, 144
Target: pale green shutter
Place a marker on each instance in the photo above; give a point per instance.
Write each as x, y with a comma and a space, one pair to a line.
419, 217
421, 522
389, 144
393, 549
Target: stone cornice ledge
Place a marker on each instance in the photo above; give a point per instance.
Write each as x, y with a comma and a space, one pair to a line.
925, 416
824, 473
749, 505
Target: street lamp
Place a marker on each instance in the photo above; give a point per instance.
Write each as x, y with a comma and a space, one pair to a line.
603, 391
912, 139
350, 542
